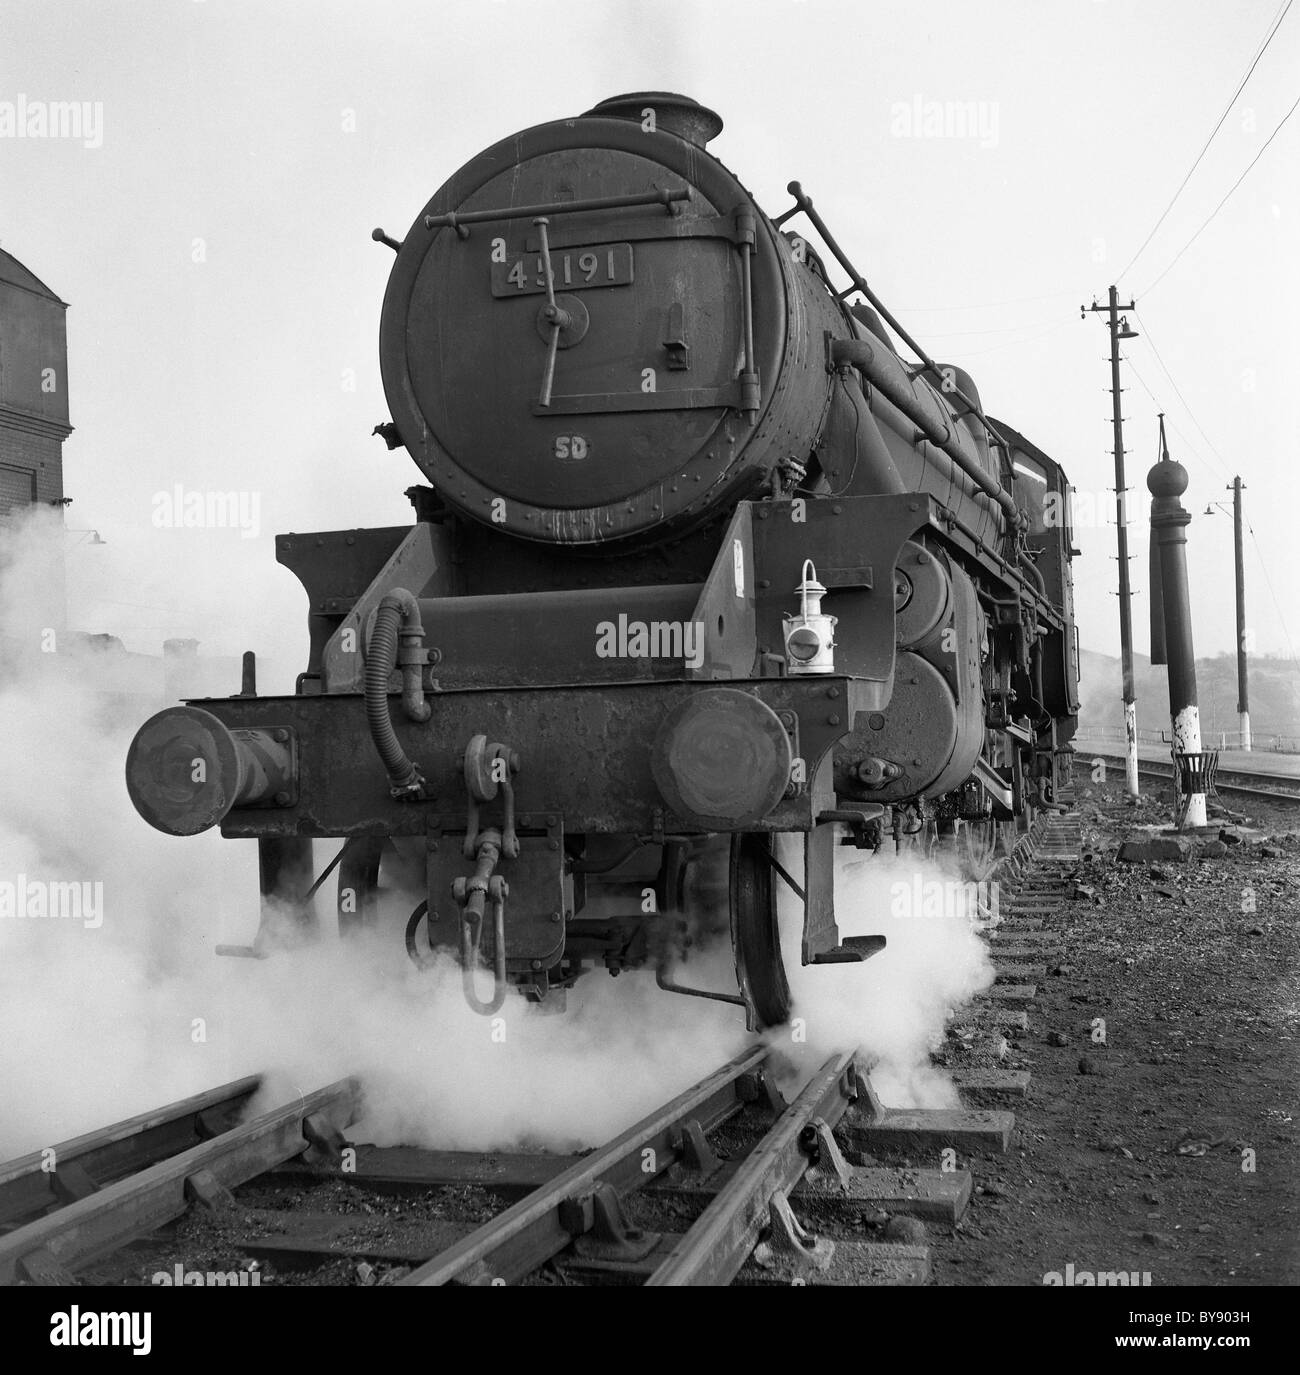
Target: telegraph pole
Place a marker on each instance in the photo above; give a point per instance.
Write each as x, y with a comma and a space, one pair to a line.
1119, 329
1243, 694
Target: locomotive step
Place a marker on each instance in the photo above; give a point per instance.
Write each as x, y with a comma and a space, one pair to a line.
852, 950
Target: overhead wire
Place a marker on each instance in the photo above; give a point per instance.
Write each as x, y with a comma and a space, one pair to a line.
1169, 420
1014, 343
1268, 582
989, 305
1205, 148
1151, 342
1146, 330
1191, 448
997, 329
1223, 202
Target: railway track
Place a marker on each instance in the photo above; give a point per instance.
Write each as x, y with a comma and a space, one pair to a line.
728, 1182
1235, 781
74, 1218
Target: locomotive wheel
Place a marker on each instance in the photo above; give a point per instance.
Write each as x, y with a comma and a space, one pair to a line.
726, 886
358, 886
372, 868
755, 933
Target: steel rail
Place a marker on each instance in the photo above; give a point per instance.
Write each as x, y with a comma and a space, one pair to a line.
1221, 784
47, 1250
545, 1222
34, 1184
720, 1241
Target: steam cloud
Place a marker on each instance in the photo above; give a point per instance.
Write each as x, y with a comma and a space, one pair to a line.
895, 1005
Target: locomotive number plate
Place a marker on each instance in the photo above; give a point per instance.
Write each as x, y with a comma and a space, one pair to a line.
575, 269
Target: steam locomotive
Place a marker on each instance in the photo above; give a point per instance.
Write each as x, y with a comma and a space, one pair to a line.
702, 563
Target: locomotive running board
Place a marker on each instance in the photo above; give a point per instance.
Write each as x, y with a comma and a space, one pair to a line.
821, 943
852, 950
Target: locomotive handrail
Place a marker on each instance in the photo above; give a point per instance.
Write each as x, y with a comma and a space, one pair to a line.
454, 219
862, 355
977, 475
1041, 602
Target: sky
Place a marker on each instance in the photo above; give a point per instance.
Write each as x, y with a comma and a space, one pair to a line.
211, 230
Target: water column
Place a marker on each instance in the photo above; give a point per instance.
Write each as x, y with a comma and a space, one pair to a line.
1167, 481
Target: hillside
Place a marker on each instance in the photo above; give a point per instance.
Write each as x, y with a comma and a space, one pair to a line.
1274, 695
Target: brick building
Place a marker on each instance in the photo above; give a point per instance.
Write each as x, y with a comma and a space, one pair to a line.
33, 426
33, 388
